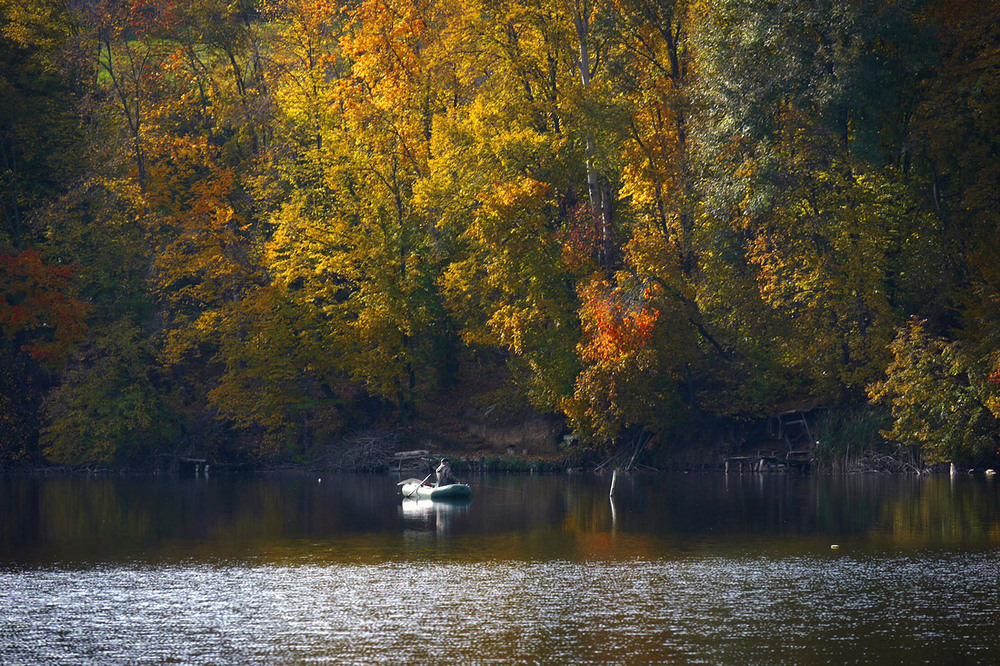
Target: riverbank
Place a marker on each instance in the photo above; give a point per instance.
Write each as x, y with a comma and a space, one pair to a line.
490, 439
466, 464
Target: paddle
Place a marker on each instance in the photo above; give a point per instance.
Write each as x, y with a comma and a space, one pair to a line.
410, 494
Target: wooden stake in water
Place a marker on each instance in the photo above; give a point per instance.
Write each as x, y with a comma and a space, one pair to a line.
611, 498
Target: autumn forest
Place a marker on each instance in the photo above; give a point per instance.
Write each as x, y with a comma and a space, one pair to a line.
245, 228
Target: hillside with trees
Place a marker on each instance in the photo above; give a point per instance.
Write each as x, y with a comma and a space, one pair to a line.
246, 229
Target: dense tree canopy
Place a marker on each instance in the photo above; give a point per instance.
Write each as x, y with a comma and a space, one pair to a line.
243, 228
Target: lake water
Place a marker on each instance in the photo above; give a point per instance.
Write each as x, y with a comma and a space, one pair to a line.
685, 568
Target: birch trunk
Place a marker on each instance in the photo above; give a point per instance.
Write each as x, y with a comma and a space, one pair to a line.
598, 187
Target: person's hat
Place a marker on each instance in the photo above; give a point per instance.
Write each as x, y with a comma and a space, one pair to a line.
444, 461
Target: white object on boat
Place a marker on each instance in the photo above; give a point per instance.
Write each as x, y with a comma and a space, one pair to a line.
415, 489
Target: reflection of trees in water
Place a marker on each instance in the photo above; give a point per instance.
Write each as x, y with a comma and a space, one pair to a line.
71, 517
944, 510
904, 510
78, 519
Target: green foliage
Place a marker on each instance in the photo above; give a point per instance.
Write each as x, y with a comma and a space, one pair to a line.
40, 143
107, 410
806, 222
845, 434
274, 375
510, 280
939, 397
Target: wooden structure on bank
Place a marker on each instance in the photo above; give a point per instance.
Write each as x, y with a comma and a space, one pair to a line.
409, 461
771, 462
792, 428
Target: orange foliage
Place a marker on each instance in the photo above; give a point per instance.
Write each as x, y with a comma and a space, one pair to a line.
619, 326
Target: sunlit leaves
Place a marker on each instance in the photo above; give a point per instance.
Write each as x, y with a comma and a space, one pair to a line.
511, 289
827, 260
209, 258
634, 349
349, 244
939, 396
649, 211
802, 199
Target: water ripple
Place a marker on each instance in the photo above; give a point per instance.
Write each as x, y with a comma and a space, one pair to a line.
917, 609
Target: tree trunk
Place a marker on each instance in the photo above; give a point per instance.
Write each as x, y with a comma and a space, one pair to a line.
598, 185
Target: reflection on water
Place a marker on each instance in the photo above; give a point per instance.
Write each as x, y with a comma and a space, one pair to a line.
420, 514
680, 568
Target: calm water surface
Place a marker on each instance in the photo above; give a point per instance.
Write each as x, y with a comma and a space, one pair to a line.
678, 569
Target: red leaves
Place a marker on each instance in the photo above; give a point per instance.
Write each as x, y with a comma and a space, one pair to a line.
152, 16
618, 326
37, 311
624, 329
580, 239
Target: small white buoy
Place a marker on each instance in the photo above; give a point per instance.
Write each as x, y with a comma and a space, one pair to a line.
834, 546
991, 472
319, 480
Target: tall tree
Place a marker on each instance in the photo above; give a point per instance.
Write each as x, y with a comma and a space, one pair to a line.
801, 185
349, 243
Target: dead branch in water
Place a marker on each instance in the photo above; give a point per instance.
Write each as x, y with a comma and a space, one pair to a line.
625, 459
884, 463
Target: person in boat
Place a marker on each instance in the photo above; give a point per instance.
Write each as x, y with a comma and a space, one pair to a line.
445, 475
